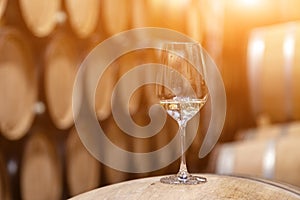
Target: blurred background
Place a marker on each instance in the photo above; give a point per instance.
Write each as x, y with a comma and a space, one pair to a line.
255, 44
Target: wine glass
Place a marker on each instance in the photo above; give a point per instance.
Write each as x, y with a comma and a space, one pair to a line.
182, 93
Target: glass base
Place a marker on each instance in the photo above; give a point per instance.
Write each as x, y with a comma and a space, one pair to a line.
176, 180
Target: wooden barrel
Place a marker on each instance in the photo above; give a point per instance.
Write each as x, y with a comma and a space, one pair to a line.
120, 139
217, 187
275, 159
107, 84
139, 13
4, 184
2, 7
273, 72
83, 16
41, 172
167, 14
194, 25
270, 131
18, 84
126, 63
104, 92
40, 16
83, 170
61, 63
115, 16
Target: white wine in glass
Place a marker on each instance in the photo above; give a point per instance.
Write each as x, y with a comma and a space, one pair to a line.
182, 93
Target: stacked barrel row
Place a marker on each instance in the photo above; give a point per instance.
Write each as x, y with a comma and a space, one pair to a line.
267, 146
271, 149
42, 45
60, 54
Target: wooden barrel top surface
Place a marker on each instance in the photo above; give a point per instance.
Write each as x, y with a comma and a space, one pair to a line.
217, 187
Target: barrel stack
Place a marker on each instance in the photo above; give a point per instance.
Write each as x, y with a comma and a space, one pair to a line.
44, 43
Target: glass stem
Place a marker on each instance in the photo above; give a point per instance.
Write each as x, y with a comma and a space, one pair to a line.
183, 173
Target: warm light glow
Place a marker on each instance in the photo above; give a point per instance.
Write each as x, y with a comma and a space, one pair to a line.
289, 45
256, 49
170, 3
177, 3
256, 46
248, 2
250, 5
288, 52
254, 11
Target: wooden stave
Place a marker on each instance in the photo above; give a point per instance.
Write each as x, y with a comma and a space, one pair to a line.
83, 25
167, 14
115, 16
104, 92
61, 50
126, 63
17, 128
115, 135
139, 17
194, 21
40, 28
48, 182
82, 175
217, 187
107, 83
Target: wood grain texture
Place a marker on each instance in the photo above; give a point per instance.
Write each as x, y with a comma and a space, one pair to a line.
217, 187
